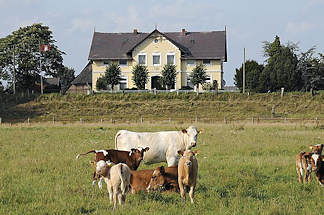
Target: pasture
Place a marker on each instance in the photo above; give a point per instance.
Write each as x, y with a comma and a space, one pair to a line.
243, 169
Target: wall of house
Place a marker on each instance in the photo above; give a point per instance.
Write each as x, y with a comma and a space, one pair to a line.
162, 47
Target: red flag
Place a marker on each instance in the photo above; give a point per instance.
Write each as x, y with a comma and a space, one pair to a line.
45, 48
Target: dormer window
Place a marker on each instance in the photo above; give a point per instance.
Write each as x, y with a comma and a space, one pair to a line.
156, 40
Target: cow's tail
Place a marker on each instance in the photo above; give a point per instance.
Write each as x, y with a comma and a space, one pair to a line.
117, 135
79, 155
122, 179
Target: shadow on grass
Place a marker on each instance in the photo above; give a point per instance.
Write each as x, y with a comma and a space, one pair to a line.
83, 210
12, 112
155, 196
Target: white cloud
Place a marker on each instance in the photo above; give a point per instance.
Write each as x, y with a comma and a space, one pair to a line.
81, 24
299, 27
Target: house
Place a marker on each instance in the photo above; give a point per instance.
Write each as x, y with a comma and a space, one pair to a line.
83, 82
183, 49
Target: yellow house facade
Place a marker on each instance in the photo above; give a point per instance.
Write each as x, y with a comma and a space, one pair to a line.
154, 50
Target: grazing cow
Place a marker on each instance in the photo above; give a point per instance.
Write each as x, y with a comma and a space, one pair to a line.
117, 178
164, 145
317, 149
317, 162
164, 179
140, 179
187, 173
303, 164
131, 158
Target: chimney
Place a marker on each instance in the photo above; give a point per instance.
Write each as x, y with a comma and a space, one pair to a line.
135, 31
183, 31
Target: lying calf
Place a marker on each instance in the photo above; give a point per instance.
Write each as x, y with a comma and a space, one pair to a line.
117, 178
164, 179
140, 179
131, 158
187, 173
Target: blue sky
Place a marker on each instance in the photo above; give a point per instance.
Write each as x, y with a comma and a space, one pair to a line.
248, 22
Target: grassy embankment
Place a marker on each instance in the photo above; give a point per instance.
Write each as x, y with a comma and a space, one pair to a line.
161, 107
243, 169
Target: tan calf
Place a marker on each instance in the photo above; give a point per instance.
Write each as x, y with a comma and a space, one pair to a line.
303, 166
117, 178
187, 173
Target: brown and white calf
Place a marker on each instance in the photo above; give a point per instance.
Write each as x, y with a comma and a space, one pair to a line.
164, 179
187, 173
304, 166
317, 162
131, 158
117, 178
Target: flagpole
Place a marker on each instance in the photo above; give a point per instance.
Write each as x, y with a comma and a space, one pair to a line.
40, 66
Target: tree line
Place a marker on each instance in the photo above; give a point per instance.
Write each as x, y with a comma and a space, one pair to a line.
285, 67
140, 77
22, 61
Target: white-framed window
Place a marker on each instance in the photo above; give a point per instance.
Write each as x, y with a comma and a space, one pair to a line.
106, 62
191, 62
189, 84
142, 59
209, 79
122, 62
156, 59
156, 40
170, 58
123, 83
206, 62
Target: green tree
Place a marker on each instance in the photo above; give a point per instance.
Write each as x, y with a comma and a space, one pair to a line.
168, 76
112, 75
66, 76
281, 69
253, 71
198, 75
101, 83
22, 50
140, 76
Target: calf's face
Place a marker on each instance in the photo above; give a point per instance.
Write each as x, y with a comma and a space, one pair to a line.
138, 154
158, 179
316, 162
318, 148
187, 156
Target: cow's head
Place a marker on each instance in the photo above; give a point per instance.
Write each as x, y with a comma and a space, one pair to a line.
190, 134
316, 161
187, 157
137, 155
158, 180
318, 148
102, 167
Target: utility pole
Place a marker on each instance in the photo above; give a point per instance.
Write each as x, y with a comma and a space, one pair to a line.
14, 70
243, 70
40, 67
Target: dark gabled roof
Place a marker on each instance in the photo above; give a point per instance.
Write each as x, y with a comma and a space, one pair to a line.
85, 76
193, 45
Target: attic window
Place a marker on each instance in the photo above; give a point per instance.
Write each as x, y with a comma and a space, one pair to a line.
156, 41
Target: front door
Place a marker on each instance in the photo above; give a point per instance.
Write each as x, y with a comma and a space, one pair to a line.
155, 83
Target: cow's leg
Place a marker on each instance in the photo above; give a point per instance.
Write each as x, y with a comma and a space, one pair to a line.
299, 170
191, 194
100, 182
110, 190
94, 178
182, 190
115, 193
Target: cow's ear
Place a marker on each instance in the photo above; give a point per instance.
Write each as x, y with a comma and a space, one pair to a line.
196, 152
201, 131
146, 149
184, 131
180, 152
162, 170
133, 150
93, 163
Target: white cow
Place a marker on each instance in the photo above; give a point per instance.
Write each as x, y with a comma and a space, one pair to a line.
164, 145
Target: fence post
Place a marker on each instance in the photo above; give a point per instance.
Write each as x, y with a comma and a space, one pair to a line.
177, 92
225, 120
101, 120
142, 119
285, 119
80, 120
28, 120
169, 119
111, 120
0, 120
53, 119
252, 120
316, 121
282, 91
196, 119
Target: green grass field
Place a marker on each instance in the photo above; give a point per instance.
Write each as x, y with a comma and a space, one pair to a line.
243, 169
